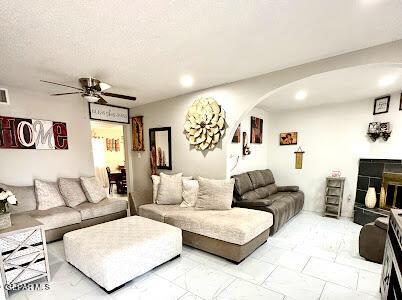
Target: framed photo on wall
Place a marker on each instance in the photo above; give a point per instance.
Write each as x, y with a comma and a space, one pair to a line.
137, 127
236, 136
160, 140
288, 138
256, 130
381, 105
400, 103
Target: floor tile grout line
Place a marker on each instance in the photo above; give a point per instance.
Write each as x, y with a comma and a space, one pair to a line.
306, 264
322, 291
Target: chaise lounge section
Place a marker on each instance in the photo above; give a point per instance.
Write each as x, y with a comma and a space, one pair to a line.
233, 234
257, 190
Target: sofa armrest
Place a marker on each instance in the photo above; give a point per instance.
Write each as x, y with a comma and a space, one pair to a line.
254, 203
288, 188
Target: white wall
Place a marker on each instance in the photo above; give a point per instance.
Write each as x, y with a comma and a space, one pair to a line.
334, 138
237, 99
20, 167
258, 159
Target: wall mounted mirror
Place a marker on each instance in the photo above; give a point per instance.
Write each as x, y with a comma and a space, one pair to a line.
161, 140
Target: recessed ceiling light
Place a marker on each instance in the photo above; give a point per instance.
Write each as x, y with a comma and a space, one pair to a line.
386, 80
186, 80
301, 95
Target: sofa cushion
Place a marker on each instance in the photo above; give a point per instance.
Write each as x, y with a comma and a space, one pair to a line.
25, 196
56, 217
170, 189
260, 193
72, 192
158, 212
92, 189
254, 203
107, 206
261, 178
242, 183
382, 222
237, 225
215, 194
48, 195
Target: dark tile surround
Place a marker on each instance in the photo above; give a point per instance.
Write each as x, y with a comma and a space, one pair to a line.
370, 175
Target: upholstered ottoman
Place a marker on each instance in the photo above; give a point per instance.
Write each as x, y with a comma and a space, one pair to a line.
115, 252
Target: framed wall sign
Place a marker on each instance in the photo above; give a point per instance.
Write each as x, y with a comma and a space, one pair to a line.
110, 113
21, 133
160, 140
381, 105
4, 98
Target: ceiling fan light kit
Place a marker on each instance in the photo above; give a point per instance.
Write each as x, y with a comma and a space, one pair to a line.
91, 90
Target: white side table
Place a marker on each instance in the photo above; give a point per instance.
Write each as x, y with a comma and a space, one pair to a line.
23, 252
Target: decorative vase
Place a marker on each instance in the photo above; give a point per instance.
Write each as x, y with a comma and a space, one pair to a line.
382, 197
371, 198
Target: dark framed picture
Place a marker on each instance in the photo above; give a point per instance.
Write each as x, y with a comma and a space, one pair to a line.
256, 130
160, 139
137, 128
400, 103
381, 105
236, 136
288, 138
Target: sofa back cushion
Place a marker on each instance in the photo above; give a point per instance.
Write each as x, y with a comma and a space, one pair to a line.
25, 196
243, 184
94, 192
215, 194
260, 178
260, 193
72, 192
48, 195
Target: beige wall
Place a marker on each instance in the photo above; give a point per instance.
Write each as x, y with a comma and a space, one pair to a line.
22, 166
237, 99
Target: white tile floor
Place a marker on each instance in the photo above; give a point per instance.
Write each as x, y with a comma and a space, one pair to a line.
311, 257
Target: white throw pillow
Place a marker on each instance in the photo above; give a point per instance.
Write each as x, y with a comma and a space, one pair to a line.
190, 192
72, 192
170, 189
92, 189
215, 194
48, 195
156, 180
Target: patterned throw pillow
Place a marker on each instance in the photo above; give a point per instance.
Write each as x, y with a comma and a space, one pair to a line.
92, 189
170, 189
72, 192
48, 195
190, 193
215, 194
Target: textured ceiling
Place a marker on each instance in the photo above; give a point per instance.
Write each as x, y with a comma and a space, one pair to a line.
345, 85
143, 47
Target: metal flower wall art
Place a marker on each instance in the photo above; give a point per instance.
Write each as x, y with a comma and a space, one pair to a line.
205, 124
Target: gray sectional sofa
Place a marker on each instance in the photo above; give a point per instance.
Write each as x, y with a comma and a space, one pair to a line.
257, 190
59, 220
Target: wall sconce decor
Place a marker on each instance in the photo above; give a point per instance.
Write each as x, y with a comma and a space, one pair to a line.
377, 129
246, 147
299, 158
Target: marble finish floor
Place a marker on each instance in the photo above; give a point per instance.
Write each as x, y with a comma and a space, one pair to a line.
311, 257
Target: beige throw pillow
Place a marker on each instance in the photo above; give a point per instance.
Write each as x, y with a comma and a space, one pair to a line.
156, 180
170, 189
215, 194
48, 195
190, 193
72, 192
92, 189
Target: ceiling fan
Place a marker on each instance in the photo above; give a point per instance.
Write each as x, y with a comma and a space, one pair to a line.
91, 90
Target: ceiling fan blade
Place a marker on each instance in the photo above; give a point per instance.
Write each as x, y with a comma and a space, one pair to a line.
60, 94
101, 100
55, 83
119, 96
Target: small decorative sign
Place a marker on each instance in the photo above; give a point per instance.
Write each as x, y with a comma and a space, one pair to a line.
138, 133
299, 158
109, 113
381, 105
19, 133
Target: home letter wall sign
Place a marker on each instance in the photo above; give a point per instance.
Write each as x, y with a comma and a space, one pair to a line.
19, 133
